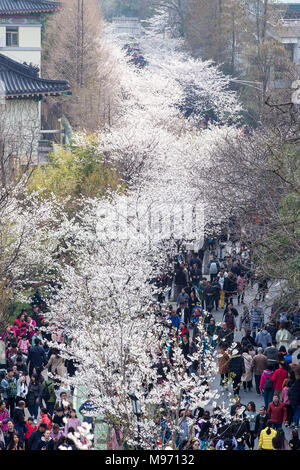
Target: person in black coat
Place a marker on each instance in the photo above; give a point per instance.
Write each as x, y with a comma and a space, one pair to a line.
236, 369
36, 356
247, 340
46, 442
184, 313
294, 396
209, 293
195, 275
261, 421
224, 336
188, 349
230, 288
36, 436
233, 310
180, 281
19, 419
240, 430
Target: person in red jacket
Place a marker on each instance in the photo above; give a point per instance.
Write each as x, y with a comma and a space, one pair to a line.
46, 418
278, 377
29, 429
277, 412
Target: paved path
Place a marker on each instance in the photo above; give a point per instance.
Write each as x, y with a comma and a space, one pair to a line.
226, 396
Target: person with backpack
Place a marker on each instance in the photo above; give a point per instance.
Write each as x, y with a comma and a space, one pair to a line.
271, 353
49, 395
266, 385
11, 391
214, 268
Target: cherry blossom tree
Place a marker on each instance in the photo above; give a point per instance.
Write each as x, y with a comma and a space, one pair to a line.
120, 245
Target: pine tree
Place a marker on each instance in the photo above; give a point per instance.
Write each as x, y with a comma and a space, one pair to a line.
75, 50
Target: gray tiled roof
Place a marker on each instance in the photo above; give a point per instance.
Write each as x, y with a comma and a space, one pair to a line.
20, 80
26, 6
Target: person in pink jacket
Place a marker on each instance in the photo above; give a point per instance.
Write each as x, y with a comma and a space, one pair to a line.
286, 401
31, 326
3, 415
266, 385
73, 422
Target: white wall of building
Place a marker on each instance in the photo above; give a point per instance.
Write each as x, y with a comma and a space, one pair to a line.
20, 128
29, 49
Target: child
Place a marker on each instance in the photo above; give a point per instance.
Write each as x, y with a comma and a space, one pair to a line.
295, 441
29, 429
23, 330
24, 344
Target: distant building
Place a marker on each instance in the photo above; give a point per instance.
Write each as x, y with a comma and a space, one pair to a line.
127, 27
291, 31
21, 88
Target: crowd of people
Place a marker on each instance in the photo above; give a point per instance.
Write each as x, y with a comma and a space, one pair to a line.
254, 351
37, 409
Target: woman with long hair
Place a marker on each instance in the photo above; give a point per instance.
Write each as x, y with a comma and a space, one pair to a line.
15, 442
34, 396
251, 414
279, 441
22, 389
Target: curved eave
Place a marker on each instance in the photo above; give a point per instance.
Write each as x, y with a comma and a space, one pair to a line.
37, 94
28, 12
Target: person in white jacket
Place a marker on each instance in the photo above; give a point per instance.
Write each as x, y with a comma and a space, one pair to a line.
283, 337
22, 389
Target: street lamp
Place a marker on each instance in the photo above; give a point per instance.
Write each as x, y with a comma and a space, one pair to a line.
136, 409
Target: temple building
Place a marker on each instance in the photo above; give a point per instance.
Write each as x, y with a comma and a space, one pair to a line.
21, 87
